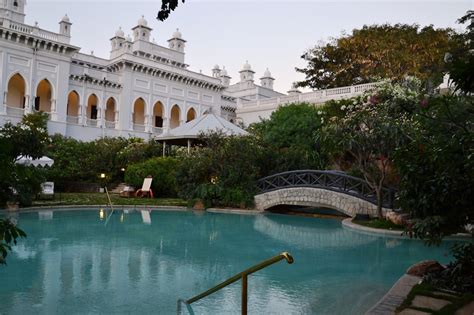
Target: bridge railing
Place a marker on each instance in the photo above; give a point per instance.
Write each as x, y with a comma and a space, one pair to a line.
329, 180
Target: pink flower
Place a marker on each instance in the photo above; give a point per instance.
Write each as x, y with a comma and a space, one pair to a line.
424, 103
373, 99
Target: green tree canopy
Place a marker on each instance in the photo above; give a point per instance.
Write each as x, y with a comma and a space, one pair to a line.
378, 51
289, 136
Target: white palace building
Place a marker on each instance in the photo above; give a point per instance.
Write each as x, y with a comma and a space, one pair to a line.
142, 90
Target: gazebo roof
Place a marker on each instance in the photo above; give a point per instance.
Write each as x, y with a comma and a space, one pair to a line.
203, 124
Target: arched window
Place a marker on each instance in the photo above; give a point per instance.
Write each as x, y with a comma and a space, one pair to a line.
158, 115
139, 112
15, 3
44, 94
110, 110
191, 115
174, 117
16, 91
92, 106
73, 104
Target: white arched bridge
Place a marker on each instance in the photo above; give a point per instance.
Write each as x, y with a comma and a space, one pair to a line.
326, 189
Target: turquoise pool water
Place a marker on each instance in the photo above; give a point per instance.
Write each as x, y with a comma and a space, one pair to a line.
73, 263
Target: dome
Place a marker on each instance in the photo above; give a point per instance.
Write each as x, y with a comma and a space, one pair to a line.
216, 67
246, 66
224, 72
177, 34
120, 33
65, 19
267, 74
142, 21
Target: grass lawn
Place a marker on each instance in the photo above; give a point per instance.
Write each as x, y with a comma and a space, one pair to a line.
380, 224
71, 199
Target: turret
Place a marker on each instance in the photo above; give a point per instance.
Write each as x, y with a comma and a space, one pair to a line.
117, 43
13, 10
294, 90
65, 28
176, 42
142, 31
225, 78
267, 80
216, 71
246, 74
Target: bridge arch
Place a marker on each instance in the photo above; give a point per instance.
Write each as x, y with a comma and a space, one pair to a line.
324, 189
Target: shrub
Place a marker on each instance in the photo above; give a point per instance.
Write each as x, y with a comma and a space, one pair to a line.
223, 172
163, 171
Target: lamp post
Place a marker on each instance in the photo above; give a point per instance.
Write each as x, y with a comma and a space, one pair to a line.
102, 177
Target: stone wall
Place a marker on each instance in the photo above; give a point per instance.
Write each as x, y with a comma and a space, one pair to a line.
316, 197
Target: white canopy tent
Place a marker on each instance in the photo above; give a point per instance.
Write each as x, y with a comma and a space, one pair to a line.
184, 134
42, 161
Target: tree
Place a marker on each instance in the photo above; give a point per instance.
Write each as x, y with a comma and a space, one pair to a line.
289, 136
28, 138
436, 167
461, 60
365, 139
19, 182
222, 172
379, 52
166, 7
9, 233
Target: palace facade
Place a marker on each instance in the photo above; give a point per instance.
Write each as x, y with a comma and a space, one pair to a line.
143, 89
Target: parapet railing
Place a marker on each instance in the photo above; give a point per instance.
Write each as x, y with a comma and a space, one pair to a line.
329, 180
242, 275
315, 96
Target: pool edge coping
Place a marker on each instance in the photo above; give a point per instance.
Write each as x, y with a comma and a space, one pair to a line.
395, 296
347, 223
134, 207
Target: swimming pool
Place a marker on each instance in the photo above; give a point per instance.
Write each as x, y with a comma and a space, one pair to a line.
73, 263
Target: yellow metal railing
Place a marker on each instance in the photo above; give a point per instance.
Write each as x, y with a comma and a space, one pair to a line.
242, 275
110, 205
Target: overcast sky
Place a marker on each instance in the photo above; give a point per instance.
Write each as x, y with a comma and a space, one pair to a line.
267, 33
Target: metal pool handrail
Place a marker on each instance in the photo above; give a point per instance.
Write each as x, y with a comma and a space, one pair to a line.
110, 205
242, 275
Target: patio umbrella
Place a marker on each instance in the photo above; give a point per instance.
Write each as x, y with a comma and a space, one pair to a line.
41, 162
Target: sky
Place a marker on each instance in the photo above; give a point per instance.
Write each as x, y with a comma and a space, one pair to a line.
269, 34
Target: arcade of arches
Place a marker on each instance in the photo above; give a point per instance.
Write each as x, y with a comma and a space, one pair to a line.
16, 97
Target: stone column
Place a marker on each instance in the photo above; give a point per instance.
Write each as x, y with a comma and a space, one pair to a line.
166, 124
147, 123
116, 119
27, 108
53, 114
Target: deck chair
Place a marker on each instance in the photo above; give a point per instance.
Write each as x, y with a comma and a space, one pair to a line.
145, 191
47, 190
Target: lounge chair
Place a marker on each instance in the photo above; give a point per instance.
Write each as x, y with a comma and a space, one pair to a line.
145, 191
47, 190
